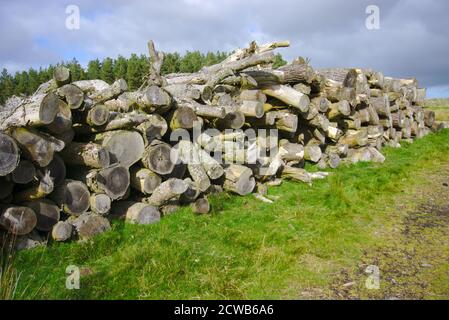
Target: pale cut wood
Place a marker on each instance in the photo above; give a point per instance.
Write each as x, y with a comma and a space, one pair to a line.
183, 118
62, 231
100, 203
73, 95
157, 158
168, 190
63, 120
90, 86
144, 180
312, 153
125, 147
72, 196
86, 154
339, 109
289, 96
239, 179
112, 181
89, 225
118, 87
61, 75
34, 111
137, 212
18, 221
9, 154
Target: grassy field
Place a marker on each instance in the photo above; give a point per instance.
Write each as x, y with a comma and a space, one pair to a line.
305, 245
441, 108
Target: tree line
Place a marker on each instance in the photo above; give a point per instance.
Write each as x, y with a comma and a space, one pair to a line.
132, 69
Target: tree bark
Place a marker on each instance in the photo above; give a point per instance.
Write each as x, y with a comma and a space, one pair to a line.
37, 110
37, 146
239, 180
168, 190
89, 154
289, 96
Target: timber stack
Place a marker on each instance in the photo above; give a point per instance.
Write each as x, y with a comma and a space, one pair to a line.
76, 154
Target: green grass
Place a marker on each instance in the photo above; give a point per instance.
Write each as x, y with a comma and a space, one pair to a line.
440, 107
244, 250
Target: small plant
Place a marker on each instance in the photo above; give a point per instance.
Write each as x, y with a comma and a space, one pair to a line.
9, 277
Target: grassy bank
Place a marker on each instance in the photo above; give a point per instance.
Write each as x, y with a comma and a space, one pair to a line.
441, 108
245, 249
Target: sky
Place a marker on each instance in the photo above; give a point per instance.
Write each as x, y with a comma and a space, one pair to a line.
412, 39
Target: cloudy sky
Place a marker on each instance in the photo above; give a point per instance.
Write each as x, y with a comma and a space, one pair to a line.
413, 39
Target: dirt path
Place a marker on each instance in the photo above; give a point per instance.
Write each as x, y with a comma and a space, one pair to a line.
411, 259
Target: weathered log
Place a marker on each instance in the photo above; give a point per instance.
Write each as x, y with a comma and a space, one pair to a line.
118, 87
72, 196
155, 127
296, 174
253, 95
144, 180
90, 86
137, 212
232, 120
239, 179
429, 118
312, 153
355, 138
86, 154
89, 225
63, 120
57, 170
62, 231
157, 158
24, 173
37, 146
339, 109
381, 105
289, 74
191, 194
37, 110
100, 203
125, 147
168, 190
40, 190
251, 108
213, 168
291, 151
202, 110
97, 116
334, 133
112, 181
188, 153
9, 154
73, 95
201, 206
17, 220
183, 118
47, 214
61, 75
289, 96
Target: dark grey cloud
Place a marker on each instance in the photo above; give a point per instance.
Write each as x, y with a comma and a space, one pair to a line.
412, 40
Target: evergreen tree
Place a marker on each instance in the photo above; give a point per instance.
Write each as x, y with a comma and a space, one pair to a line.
21, 83
6, 86
133, 73
171, 63
120, 67
33, 81
107, 72
76, 70
93, 69
191, 62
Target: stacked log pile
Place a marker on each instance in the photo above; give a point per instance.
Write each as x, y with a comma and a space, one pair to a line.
76, 154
